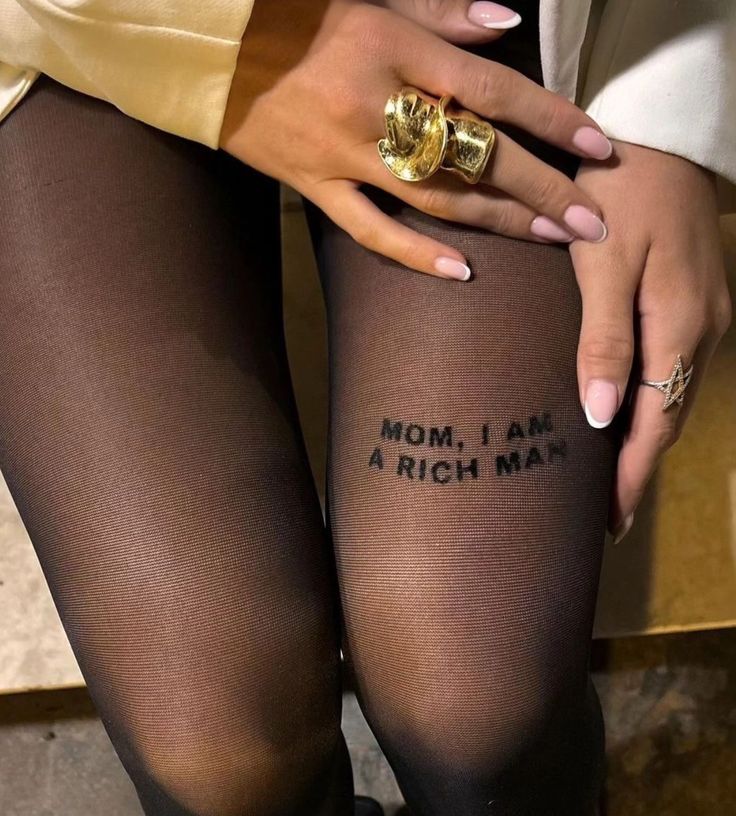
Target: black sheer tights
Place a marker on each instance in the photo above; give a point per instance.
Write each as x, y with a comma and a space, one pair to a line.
467, 503
149, 438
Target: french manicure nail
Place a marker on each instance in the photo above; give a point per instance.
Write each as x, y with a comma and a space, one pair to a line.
592, 142
492, 15
585, 223
452, 268
544, 227
623, 528
601, 403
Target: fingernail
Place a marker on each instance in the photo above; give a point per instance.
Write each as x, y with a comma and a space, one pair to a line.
623, 528
585, 223
592, 142
544, 227
601, 402
492, 15
452, 268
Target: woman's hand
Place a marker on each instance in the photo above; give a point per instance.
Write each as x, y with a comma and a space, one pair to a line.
655, 288
306, 107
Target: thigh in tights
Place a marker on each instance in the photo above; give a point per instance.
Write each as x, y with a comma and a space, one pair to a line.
467, 502
149, 438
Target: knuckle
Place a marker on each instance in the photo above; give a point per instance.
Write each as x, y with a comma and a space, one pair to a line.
365, 29
693, 321
346, 105
607, 348
489, 83
432, 9
699, 317
547, 190
551, 118
502, 220
437, 201
722, 314
364, 233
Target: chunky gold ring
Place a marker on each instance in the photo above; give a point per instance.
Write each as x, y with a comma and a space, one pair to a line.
674, 387
423, 137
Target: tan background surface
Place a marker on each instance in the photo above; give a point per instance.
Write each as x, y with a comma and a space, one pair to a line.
676, 570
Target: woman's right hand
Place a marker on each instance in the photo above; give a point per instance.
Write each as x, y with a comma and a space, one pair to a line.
306, 107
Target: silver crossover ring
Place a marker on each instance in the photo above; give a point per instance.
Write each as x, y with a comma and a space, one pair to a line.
674, 387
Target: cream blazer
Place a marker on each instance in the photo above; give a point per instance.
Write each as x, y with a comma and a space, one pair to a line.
660, 73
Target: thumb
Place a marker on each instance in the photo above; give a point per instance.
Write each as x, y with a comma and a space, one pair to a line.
459, 21
606, 346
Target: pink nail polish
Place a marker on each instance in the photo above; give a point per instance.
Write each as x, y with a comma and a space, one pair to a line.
592, 142
585, 223
492, 15
452, 268
544, 227
601, 403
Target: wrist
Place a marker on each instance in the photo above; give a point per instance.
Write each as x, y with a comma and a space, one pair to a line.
277, 38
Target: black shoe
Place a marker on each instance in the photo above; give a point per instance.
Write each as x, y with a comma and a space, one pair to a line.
365, 806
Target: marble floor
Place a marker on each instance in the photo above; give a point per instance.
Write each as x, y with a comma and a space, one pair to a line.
669, 702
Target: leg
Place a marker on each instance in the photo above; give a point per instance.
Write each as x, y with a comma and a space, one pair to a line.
467, 500
149, 437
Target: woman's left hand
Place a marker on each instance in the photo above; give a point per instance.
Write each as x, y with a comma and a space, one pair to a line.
655, 288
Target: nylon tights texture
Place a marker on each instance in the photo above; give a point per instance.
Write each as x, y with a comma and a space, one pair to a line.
467, 503
467, 498
149, 437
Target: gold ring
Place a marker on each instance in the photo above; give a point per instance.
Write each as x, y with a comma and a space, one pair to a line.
422, 137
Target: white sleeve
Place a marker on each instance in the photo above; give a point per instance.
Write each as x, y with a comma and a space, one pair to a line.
169, 63
662, 73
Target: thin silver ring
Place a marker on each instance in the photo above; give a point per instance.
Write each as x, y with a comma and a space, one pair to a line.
674, 387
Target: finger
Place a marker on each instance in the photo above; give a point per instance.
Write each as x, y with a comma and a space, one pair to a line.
498, 92
546, 190
652, 431
486, 208
606, 346
461, 21
446, 196
652, 427
370, 227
